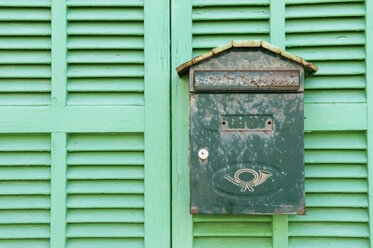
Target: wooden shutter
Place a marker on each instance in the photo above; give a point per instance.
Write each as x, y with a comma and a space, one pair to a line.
331, 34
25, 175
25, 52
84, 130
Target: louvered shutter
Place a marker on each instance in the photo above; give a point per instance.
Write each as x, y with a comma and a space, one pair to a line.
25, 159
25, 52
105, 190
331, 35
84, 130
25, 174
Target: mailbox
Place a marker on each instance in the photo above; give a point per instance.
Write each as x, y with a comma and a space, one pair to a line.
246, 135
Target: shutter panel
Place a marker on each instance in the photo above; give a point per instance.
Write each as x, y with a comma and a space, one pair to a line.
331, 35
106, 52
219, 21
105, 190
215, 23
25, 190
25, 52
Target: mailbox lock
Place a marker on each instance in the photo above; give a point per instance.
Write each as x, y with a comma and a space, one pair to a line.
203, 154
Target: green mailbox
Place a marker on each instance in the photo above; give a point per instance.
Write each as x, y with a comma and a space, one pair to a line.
246, 136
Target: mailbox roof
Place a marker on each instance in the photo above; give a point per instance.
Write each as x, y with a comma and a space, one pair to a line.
308, 66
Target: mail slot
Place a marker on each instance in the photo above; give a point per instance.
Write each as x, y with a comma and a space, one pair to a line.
246, 130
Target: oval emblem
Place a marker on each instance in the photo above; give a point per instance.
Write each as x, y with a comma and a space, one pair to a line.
247, 179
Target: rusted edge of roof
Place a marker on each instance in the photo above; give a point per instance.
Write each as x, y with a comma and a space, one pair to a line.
308, 66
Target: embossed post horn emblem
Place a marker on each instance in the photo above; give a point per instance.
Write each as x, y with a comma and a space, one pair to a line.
258, 179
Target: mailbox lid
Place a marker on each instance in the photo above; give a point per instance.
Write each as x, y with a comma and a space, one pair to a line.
243, 69
255, 153
246, 80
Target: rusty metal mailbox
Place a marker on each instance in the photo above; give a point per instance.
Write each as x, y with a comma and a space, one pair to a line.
246, 152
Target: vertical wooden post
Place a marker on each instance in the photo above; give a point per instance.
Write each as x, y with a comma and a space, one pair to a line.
58, 191
157, 124
369, 92
277, 37
277, 23
58, 94
58, 53
181, 51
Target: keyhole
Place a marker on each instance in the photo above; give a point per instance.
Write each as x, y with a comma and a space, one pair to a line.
203, 154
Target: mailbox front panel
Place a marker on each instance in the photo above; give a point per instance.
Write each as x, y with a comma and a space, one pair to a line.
246, 153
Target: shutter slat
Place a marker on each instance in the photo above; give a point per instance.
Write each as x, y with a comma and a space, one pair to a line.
334, 96
230, 27
198, 3
237, 242
324, 25
325, 10
236, 229
105, 242
100, 42
336, 185
325, 39
106, 56
107, 230
336, 200
329, 229
27, 231
105, 187
230, 13
335, 140
105, 216
24, 188
106, 85
26, 3
330, 53
336, 171
106, 172
336, 82
105, 201
105, 14
103, 3
328, 242
25, 14
335, 156
105, 28
332, 215
24, 216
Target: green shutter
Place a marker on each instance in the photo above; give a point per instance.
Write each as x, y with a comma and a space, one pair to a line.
25, 52
84, 130
331, 35
105, 190
25, 175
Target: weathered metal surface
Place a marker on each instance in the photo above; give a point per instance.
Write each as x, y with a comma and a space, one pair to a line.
254, 144
246, 80
309, 67
247, 69
246, 149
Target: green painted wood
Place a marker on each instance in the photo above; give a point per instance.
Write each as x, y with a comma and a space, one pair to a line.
58, 93
181, 51
72, 119
58, 191
369, 92
277, 23
277, 37
157, 124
